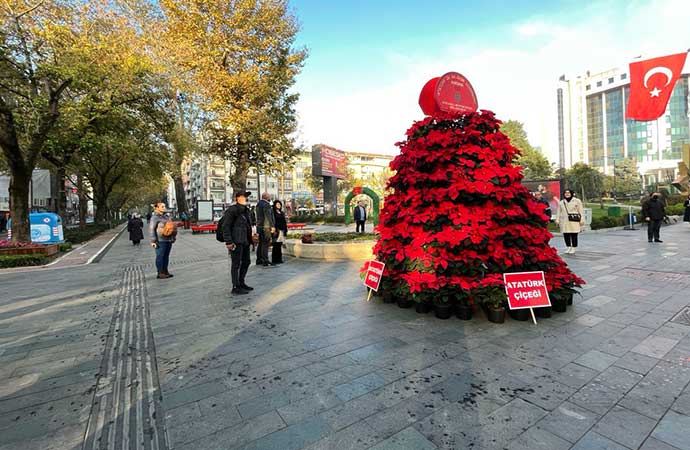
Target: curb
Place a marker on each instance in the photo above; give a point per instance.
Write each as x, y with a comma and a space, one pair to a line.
101, 253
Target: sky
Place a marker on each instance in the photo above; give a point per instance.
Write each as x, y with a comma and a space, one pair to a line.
368, 60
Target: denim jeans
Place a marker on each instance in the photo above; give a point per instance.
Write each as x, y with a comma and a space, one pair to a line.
163, 256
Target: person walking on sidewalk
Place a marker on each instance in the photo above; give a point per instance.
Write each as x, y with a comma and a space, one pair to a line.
686, 213
135, 227
265, 227
163, 234
570, 219
280, 233
237, 234
654, 212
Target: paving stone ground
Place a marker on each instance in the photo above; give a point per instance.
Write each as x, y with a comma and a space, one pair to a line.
305, 363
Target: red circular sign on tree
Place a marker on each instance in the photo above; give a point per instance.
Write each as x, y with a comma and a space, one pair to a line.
451, 93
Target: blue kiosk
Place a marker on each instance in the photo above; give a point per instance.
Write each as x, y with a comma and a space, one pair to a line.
46, 228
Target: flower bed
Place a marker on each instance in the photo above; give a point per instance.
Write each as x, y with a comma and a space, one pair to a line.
336, 237
8, 248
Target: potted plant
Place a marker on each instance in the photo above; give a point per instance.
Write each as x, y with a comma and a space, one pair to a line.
494, 302
403, 297
559, 298
443, 304
544, 312
521, 315
423, 304
464, 307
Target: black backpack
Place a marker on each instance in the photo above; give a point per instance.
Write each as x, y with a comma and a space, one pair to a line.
219, 230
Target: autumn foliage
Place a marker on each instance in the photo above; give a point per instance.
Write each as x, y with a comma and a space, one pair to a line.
458, 217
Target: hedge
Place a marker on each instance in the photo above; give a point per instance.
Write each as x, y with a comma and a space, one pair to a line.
7, 261
79, 235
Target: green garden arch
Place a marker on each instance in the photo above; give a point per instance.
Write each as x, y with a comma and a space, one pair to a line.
358, 191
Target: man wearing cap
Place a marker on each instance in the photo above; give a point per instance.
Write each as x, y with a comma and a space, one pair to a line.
237, 234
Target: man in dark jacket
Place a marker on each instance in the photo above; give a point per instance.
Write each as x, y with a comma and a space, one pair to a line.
265, 227
237, 234
547, 208
360, 216
654, 212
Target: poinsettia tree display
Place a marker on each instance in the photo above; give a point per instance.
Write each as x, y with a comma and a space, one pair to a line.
458, 218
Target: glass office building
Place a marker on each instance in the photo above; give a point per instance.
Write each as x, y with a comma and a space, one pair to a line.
592, 127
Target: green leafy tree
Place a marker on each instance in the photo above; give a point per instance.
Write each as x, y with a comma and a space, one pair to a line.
626, 181
37, 64
585, 180
242, 63
535, 165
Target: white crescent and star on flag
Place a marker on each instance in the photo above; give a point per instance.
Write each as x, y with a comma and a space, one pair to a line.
653, 71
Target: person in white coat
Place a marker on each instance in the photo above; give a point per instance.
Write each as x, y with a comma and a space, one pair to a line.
570, 219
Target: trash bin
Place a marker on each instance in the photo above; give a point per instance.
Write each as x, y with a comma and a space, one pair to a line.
46, 228
614, 211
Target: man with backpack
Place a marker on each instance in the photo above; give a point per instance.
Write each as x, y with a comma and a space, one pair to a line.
235, 229
163, 234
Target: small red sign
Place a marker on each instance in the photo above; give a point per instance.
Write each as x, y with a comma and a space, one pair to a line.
374, 274
526, 290
454, 94
357, 190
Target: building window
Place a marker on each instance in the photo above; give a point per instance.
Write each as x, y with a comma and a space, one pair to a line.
624, 76
588, 87
598, 83
610, 80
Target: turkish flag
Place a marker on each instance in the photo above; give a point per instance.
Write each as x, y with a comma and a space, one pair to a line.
651, 85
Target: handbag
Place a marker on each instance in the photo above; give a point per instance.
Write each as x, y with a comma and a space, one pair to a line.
572, 217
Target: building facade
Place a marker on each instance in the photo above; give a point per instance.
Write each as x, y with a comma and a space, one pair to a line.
592, 127
207, 178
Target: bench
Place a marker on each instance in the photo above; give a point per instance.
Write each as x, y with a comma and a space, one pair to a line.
207, 228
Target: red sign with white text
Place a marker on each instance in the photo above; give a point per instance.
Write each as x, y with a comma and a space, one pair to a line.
374, 274
526, 290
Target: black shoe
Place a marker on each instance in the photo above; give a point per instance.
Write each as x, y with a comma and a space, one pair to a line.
239, 291
650, 240
267, 264
245, 287
658, 240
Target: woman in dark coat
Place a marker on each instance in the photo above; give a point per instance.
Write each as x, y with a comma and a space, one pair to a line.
135, 227
280, 234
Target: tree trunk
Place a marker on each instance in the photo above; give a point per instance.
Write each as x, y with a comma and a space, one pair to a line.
83, 201
100, 200
180, 193
238, 180
61, 205
20, 205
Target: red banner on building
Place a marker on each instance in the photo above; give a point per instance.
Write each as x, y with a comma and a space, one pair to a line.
651, 84
374, 274
526, 290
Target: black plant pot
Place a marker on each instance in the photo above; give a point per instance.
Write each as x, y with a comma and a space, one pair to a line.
404, 303
569, 299
444, 311
544, 313
423, 308
522, 315
388, 297
559, 304
464, 312
496, 315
